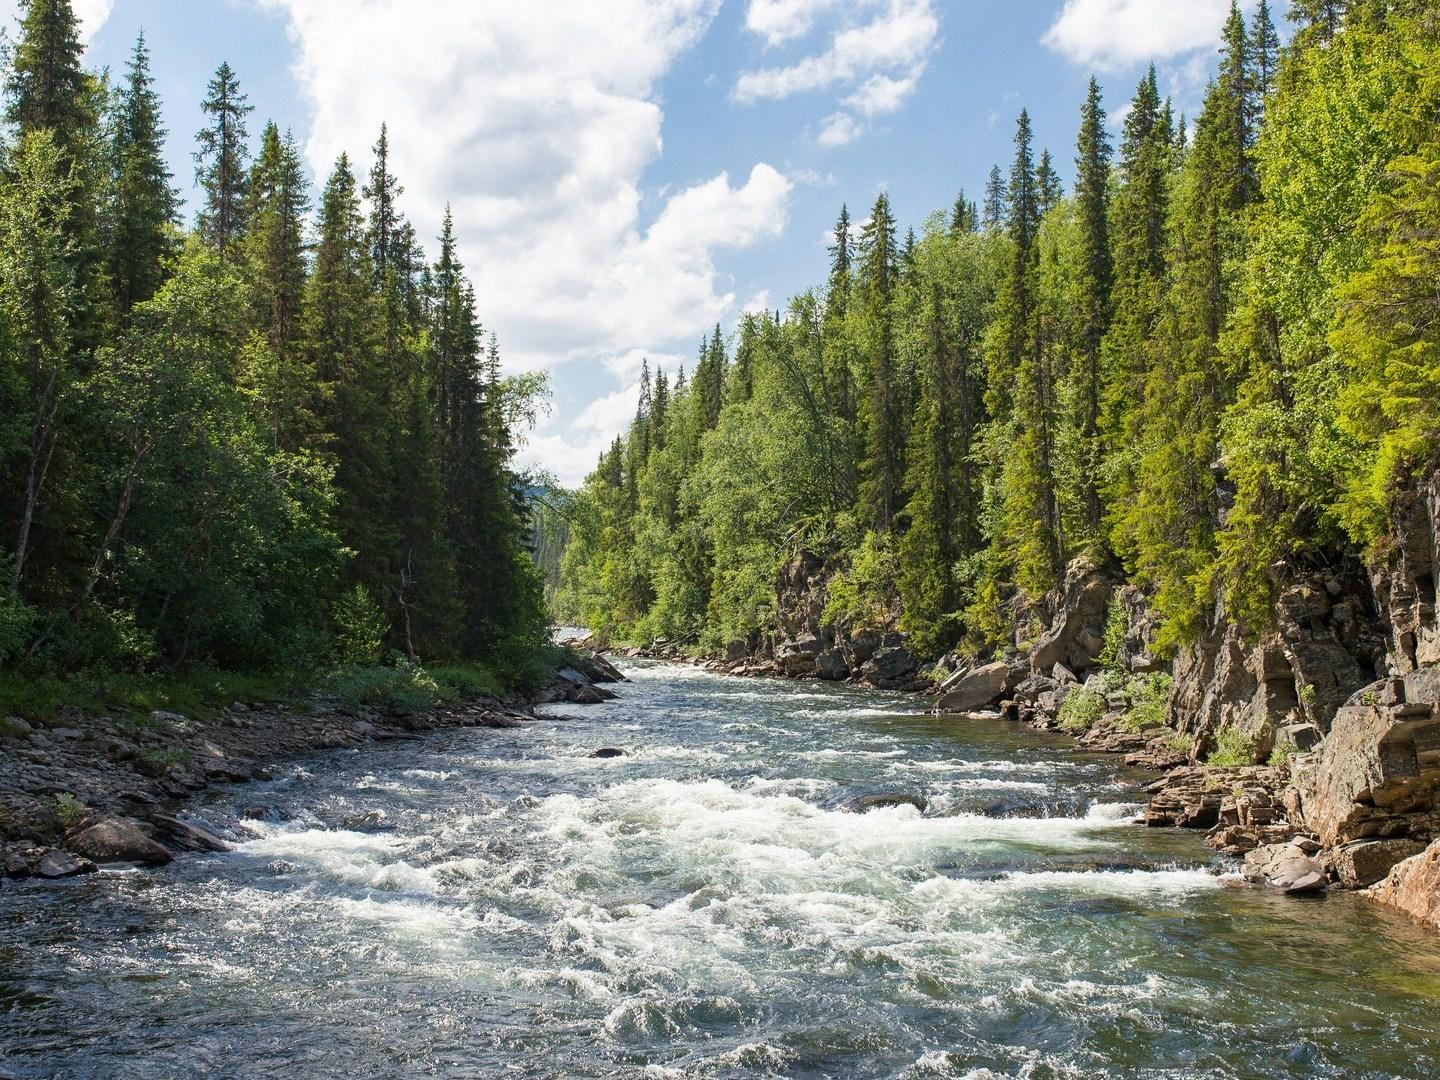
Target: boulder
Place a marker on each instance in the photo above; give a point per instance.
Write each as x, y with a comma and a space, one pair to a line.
1364, 862
977, 688
1286, 867
877, 800
832, 666
891, 667
119, 840
188, 835
62, 864
1413, 886
608, 752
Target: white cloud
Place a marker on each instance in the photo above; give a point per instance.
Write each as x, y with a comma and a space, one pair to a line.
757, 303
838, 129
879, 59
91, 14
883, 94
778, 21
1111, 34
538, 130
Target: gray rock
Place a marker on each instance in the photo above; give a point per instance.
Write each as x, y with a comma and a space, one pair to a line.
119, 840
62, 864
831, 665
608, 752
15, 727
1285, 867
188, 835
978, 687
890, 666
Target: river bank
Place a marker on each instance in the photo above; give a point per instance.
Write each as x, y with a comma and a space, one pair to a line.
83, 788
506, 902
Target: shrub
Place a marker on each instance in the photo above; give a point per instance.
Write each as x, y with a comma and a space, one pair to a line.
1285, 749
67, 810
1232, 747
1117, 627
1148, 695
359, 627
1081, 708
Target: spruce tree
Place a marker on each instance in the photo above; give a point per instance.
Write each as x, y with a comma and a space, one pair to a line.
1092, 197
996, 208
1047, 182
220, 162
275, 248
1266, 44
883, 471
144, 206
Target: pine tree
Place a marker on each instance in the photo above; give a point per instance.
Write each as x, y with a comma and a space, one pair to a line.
1047, 183
839, 387
883, 470
996, 208
277, 205
220, 162
1092, 196
962, 216
144, 206
48, 88
1266, 45
1023, 392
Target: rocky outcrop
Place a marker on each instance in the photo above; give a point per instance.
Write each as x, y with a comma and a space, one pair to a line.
1377, 773
1074, 617
1326, 646
1413, 886
970, 689
1404, 580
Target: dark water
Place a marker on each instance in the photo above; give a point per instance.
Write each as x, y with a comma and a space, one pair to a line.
701, 908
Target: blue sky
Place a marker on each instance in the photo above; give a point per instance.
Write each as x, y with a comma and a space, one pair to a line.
626, 173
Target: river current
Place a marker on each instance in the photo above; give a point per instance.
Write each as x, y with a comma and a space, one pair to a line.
483, 903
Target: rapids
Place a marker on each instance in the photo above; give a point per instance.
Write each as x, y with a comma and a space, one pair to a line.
483, 903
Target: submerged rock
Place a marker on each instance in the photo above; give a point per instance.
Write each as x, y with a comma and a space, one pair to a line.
608, 752
877, 800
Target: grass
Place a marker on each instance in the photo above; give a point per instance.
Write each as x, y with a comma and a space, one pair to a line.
200, 694
67, 810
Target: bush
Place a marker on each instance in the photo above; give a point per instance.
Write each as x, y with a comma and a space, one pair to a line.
1285, 749
1148, 695
1117, 627
1081, 708
359, 628
67, 810
1232, 747
17, 621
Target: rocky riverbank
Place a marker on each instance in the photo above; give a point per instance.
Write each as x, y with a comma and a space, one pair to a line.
85, 789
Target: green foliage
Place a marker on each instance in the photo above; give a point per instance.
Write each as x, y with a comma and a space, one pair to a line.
860, 597
359, 628
1232, 747
1082, 707
67, 810
1148, 695
256, 447
1117, 626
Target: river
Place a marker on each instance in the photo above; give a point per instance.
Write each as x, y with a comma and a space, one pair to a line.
483, 903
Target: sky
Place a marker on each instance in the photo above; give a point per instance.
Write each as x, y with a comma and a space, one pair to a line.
626, 174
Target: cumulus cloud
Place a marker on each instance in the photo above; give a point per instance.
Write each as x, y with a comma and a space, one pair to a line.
879, 56
538, 130
778, 21
91, 13
837, 129
1112, 34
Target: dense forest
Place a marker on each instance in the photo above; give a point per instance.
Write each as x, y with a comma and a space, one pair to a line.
1211, 360
278, 439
